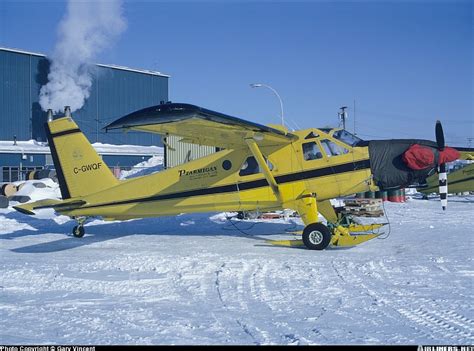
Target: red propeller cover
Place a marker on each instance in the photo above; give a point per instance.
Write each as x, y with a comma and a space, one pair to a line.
448, 155
419, 157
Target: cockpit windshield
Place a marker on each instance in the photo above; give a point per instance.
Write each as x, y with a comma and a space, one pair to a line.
346, 137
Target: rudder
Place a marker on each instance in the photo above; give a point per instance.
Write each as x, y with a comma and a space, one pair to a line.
79, 168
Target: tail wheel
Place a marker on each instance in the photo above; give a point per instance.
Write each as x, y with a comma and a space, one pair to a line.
78, 231
316, 236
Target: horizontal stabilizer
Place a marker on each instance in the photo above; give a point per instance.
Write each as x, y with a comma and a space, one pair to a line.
57, 205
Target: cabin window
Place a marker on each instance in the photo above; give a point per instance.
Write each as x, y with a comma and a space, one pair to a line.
332, 149
251, 166
311, 151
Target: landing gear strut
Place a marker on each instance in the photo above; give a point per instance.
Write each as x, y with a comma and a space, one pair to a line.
78, 231
316, 236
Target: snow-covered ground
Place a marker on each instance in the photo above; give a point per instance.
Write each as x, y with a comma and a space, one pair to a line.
196, 279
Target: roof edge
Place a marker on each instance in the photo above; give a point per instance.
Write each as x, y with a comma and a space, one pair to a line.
113, 66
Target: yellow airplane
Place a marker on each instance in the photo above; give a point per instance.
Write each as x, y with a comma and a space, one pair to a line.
460, 180
258, 168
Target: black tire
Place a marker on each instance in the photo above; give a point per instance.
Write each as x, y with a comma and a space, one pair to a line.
78, 231
316, 236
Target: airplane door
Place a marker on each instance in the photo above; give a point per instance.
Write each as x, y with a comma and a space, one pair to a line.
317, 169
341, 159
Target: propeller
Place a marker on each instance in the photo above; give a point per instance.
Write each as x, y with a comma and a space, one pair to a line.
439, 135
443, 178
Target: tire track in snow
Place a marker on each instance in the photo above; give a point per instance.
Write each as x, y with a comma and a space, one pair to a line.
434, 325
378, 309
243, 290
458, 319
225, 305
373, 311
268, 299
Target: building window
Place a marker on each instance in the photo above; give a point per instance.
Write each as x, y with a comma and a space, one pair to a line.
311, 151
14, 174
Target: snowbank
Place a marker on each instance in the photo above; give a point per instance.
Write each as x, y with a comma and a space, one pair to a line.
152, 165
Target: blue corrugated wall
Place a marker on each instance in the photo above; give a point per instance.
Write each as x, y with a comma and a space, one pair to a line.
114, 94
15, 101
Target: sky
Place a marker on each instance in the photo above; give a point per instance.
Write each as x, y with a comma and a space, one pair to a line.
398, 65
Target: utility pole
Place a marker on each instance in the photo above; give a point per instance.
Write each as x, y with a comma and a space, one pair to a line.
354, 118
342, 116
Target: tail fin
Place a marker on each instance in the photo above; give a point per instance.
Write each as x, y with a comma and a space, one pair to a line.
80, 169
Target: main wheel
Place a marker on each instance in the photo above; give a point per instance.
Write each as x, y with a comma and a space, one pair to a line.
78, 231
316, 236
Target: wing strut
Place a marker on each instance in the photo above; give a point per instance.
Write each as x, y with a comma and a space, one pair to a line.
264, 167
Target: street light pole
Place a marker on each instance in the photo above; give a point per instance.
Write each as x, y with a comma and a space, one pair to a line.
258, 85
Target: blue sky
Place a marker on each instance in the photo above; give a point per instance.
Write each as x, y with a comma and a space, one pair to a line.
404, 63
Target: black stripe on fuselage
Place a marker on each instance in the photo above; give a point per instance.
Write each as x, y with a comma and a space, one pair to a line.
321, 172
293, 177
57, 165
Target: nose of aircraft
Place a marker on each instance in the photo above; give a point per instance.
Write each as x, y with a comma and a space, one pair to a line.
403, 162
388, 161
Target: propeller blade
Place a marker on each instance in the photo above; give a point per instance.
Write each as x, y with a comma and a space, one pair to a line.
443, 186
439, 135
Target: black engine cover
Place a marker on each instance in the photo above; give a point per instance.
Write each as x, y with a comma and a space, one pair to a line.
387, 166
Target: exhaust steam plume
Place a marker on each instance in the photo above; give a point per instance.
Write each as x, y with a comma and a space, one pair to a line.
87, 28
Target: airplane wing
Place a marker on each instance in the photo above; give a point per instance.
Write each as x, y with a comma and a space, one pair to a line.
201, 126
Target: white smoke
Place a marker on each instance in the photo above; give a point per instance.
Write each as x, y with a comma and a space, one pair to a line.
88, 28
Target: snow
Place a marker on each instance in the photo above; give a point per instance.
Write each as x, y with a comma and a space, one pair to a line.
35, 147
196, 279
152, 165
50, 191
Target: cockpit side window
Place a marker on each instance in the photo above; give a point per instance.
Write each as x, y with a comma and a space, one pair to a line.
311, 151
332, 149
346, 137
250, 166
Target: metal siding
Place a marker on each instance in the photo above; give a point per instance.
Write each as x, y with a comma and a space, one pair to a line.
14, 160
38, 78
123, 161
179, 155
123, 92
15, 104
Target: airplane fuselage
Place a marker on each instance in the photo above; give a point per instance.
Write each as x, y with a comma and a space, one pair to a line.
229, 180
